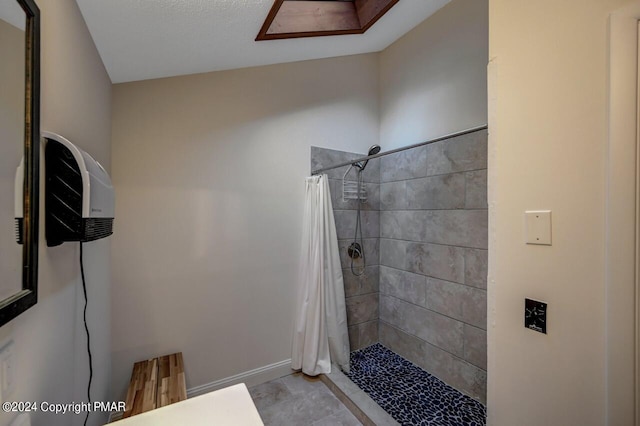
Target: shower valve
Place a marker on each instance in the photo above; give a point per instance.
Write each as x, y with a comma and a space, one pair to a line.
354, 251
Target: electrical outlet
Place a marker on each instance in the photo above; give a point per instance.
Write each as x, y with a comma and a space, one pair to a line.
535, 315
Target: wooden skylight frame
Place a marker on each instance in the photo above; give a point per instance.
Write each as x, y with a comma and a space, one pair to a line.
314, 18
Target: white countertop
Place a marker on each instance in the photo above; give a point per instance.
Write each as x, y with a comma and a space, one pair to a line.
230, 406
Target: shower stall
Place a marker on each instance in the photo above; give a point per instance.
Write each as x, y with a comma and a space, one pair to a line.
415, 275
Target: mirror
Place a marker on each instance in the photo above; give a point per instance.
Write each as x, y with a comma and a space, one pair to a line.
19, 138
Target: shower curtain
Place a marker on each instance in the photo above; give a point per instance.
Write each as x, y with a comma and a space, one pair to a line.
320, 335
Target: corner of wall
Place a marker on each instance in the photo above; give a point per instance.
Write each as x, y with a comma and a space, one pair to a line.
50, 347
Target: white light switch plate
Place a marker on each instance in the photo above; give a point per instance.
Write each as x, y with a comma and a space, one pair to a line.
538, 227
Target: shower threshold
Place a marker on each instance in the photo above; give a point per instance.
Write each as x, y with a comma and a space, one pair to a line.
356, 400
410, 395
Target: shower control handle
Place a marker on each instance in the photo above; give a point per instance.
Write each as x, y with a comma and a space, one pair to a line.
354, 251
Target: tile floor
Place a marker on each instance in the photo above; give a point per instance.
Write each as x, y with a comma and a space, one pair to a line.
410, 394
298, 400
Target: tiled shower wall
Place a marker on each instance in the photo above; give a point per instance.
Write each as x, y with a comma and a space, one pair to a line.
433, 252
361, 292
423, 294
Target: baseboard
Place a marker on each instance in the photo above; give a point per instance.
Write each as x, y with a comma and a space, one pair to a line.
250, 378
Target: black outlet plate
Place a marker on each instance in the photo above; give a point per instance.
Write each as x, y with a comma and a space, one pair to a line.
535, 315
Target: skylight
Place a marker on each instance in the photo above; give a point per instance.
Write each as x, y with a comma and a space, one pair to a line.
313, 18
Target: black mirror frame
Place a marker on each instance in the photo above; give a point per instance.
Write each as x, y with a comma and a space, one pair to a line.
16, 304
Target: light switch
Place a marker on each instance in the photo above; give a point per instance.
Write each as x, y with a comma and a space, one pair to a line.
538, 227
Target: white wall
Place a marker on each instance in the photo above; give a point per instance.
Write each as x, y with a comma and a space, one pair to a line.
50, 348
622, 255
433, 80
548, 150
209, 172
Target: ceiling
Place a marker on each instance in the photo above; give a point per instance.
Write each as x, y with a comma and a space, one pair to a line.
145, 39
12, 13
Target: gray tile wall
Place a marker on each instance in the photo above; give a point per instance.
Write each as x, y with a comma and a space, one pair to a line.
361, 292
423, 294
433, 259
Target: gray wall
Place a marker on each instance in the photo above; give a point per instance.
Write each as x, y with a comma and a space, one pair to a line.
361, 292
433, 80
433, 257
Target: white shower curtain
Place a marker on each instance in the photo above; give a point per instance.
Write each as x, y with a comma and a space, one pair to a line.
320, 335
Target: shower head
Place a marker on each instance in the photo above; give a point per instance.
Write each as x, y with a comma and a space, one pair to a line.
372, 151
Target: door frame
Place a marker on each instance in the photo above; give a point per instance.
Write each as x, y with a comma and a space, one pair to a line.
622, 310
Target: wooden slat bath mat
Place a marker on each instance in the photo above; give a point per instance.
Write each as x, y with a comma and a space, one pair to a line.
155, 383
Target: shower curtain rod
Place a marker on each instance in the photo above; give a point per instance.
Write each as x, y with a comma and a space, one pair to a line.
382, 154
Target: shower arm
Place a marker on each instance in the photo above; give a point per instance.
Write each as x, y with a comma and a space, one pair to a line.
382, 154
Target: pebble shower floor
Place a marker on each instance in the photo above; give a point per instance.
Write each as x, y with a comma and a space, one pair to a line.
409, 394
